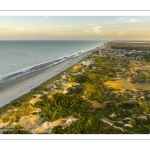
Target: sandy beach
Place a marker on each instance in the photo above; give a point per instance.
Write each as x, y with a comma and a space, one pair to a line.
22, 85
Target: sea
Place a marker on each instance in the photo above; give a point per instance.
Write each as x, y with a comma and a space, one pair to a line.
17, 58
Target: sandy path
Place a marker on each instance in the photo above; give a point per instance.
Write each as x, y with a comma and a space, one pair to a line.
15, 88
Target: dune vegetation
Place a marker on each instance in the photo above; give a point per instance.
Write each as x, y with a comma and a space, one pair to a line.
103, 94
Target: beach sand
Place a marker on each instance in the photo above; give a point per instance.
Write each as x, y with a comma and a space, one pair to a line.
22, 85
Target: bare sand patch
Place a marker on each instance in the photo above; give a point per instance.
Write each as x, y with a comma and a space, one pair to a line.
142, 86
47, 127
29, 122
36, 124
44, 128
36, 110
121, 85
87, 62
96, 104
34, 100
125, 84
111, 123
142, 68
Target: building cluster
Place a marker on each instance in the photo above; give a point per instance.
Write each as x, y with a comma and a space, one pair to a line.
123, 54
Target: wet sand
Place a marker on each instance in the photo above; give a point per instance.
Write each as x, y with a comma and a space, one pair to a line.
22, 85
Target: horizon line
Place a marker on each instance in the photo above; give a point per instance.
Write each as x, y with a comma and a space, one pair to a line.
74, 10
75, 40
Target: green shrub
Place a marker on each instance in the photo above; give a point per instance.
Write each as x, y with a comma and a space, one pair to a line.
6, 119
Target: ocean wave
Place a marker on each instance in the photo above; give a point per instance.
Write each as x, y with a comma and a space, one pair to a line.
25, 71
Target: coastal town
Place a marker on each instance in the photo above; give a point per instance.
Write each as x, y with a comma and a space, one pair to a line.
123, 54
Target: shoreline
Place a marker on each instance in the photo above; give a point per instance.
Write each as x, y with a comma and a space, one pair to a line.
10, 74
15, 88
35, 68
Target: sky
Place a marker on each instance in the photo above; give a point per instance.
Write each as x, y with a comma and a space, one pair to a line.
74, 28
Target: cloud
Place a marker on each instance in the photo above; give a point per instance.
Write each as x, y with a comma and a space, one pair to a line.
121, 33
11, 30
94, 30
46, 32
122, 19
6, 30
132, 20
